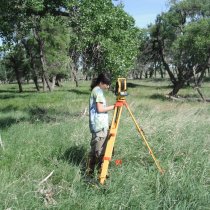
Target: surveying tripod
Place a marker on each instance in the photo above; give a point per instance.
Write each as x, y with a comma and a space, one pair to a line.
120, 102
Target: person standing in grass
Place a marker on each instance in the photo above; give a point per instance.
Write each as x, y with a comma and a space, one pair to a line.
98, 121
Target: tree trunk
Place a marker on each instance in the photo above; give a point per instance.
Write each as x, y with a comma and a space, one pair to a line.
165, 64
44, 71
74, 57
53, 82
18, 78
75, 78
200, 93
167, 68
44, 84
141, 74
58, 82
42, 59
161, 72
177, 86
32, 64
200, 78
151, 73
17, 73
74, 74
35, 79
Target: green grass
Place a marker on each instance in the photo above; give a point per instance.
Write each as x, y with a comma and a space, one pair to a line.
45, 132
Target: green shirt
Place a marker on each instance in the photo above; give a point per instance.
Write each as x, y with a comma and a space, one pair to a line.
97, 121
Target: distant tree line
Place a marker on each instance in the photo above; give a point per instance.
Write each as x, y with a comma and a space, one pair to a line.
45, 40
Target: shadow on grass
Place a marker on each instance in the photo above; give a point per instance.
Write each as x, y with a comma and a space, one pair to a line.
14, 95
16, 91
46, 115
75, 155
132, 85
7, 91
158, 97
8, 121
40, 114
79, 92
8, 108
35, 114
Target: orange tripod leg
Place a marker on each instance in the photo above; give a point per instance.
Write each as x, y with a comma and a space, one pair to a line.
144, 139
110, 143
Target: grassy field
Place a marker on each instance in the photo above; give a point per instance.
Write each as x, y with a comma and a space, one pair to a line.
48, 134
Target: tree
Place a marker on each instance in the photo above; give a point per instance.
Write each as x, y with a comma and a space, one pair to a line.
31, 48
20, 18
52, 38
179, 42
56, 36
105, 38
15, 60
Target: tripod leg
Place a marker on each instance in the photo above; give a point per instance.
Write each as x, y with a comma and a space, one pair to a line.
110, 144
144, 139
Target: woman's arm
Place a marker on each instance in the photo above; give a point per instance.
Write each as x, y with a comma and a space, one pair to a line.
101, 108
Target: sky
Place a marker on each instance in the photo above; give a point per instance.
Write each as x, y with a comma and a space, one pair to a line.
144, 11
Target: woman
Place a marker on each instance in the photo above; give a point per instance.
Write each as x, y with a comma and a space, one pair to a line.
98, 121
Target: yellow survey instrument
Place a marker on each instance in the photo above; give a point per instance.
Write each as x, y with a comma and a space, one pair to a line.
121, 88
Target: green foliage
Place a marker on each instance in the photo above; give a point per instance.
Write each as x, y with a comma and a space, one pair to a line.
197, 33
15, 62
3, 72
35, 5
105, 37
55, 34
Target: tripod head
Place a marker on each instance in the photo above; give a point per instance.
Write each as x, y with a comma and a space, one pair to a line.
120, 88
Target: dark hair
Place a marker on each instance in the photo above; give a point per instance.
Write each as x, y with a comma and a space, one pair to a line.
102, 77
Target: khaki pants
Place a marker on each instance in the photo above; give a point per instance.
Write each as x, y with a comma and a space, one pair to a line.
98, 146
98, 143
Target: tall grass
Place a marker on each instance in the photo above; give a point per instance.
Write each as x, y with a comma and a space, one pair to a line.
48, 132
